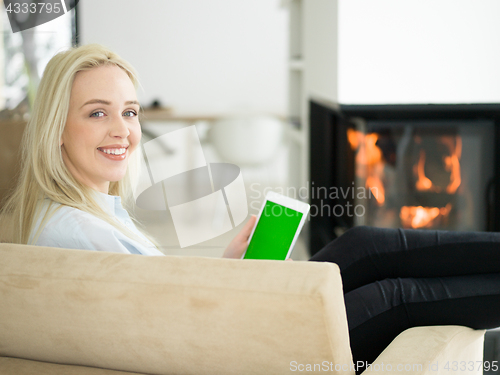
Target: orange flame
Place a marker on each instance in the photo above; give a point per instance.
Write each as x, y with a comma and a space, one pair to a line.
423, 182
452, 163
422, 217
369, 164
355, 138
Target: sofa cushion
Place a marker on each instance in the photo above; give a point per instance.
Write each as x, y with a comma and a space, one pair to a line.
436, 350
169, 315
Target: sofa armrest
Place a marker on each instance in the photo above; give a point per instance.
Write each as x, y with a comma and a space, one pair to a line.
433, 350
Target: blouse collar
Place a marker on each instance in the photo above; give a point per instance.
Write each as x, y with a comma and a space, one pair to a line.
111, 202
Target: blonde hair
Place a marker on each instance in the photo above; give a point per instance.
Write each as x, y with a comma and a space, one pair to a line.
43, 172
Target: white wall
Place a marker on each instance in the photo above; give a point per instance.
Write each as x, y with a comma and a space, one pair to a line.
419, 51
321, 50
199, 56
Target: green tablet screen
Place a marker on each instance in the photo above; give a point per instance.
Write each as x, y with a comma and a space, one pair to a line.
274, 232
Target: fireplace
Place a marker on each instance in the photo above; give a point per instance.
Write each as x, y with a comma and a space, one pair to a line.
403, 166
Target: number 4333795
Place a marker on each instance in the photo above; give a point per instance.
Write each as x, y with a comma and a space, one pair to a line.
34, 8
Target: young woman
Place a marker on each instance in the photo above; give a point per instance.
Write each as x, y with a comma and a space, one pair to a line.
78, 167
78, 159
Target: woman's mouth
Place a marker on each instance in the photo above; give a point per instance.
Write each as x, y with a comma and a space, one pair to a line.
114, 153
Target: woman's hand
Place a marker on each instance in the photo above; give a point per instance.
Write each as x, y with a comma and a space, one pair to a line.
239, 244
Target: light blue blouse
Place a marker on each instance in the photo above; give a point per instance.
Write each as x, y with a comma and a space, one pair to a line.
71, 228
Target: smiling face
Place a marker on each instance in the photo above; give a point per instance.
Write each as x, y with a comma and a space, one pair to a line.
102, 128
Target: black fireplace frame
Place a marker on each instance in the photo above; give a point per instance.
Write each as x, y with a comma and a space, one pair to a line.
331, 159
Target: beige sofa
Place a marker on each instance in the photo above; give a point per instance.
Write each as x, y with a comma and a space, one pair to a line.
84, 312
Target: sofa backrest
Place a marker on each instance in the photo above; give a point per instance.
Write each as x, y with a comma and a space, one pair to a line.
11, 132
170, 315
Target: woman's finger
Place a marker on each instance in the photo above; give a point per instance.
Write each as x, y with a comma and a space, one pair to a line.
247, 229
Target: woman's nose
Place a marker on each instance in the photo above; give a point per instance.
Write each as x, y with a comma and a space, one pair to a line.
119, 128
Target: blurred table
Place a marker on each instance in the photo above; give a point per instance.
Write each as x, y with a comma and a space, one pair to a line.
168, 115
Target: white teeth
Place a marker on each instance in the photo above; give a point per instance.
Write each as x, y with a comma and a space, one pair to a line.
114, 151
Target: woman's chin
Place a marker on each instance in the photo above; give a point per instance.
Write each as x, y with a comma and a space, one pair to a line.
115, 177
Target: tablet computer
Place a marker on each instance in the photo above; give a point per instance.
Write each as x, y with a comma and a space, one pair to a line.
277, 229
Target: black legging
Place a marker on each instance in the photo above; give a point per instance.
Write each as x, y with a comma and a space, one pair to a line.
394, 279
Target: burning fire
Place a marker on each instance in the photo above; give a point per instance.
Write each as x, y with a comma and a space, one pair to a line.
423, 217
451, 164
423, 182
370, 166
427, 217
369, 162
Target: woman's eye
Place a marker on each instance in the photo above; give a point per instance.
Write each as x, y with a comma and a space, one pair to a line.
130, 113
97, 114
